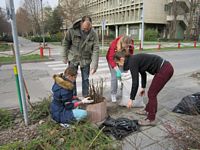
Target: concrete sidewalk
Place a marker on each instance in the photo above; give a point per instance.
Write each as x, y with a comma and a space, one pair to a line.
157, 137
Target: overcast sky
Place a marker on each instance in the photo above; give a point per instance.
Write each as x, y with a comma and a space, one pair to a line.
18, 3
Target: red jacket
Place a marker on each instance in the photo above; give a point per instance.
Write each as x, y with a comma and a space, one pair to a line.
112, 49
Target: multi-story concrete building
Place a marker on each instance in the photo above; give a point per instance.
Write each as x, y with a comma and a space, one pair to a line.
125, 16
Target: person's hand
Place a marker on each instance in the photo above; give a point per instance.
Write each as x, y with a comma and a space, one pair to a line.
142, 92
130, 103
87, 100
118, 74
92, 71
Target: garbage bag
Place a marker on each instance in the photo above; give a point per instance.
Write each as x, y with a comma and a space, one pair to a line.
189, 105
120, 127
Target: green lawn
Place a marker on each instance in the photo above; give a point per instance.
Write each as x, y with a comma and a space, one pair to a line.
27, 58
5, 47
104, 52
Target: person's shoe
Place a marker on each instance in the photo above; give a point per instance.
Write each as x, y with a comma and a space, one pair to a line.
147, 122
141, 112
113, 98
65, 125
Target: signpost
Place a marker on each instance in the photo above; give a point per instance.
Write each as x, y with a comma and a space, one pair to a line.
103, 28
11, 16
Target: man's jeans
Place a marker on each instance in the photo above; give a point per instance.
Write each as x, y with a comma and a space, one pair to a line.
85, 71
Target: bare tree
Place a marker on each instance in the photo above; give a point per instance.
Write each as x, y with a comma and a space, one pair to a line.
34, 10
4, 25
173, 24
73, 9
23, 21
193, 26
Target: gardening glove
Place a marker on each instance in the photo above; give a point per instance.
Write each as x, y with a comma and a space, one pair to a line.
87, 100
118, 74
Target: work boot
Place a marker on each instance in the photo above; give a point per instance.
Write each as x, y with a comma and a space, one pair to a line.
113, 98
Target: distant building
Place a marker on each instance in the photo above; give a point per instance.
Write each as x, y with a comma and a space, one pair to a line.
125, 16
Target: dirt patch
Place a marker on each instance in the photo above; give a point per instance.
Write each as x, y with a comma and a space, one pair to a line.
18, 133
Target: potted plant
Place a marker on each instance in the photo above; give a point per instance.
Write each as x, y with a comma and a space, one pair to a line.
97, 111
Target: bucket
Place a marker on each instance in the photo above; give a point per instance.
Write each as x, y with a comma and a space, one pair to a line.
97, 112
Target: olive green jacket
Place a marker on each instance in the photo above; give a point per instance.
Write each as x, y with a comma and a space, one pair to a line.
79, 51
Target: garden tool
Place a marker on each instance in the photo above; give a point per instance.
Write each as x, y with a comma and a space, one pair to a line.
27, 94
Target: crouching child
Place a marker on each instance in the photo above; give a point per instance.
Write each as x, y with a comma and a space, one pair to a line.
64, 105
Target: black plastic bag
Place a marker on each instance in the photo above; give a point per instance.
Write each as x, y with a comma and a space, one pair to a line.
189, 105
120, 127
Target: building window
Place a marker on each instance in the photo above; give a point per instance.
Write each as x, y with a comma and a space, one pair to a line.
166, 8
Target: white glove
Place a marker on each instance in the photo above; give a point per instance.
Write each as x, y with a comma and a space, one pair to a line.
87, 100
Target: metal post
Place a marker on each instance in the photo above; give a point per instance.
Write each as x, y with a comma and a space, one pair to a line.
142, 32
11, 15
102, 31
43, 39
102, 40
18, 89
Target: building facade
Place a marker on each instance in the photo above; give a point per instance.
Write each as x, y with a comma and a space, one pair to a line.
118, 17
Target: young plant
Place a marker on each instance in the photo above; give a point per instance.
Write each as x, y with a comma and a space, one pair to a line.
96, 91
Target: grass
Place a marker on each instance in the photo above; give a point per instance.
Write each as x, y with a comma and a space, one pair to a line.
27, 58
6, 119
55, 43
40, 110
50, 135
146, 50
5, 47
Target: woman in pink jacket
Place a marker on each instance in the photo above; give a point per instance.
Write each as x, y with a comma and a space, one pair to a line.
121, 43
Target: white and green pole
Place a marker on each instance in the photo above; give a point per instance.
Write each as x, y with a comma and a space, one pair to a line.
11, 16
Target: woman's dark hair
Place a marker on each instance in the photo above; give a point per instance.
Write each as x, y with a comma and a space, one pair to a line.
119, 55
70, 71
86, 18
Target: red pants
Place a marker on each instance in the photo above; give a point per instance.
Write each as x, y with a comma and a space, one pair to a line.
158, 82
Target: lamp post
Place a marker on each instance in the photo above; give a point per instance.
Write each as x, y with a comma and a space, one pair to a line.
43, 39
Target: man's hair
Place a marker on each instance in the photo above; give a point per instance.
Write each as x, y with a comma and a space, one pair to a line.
70, 71
86, 18
119, 55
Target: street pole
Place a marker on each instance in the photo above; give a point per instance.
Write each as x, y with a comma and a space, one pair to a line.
43, 39
103, 29
142, 31
11, 15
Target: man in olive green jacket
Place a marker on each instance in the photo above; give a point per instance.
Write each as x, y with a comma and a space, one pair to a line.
81, 48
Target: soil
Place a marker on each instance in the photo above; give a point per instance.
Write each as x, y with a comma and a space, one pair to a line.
18, 131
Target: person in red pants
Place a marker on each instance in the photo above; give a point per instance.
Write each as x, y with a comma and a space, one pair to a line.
141, 64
